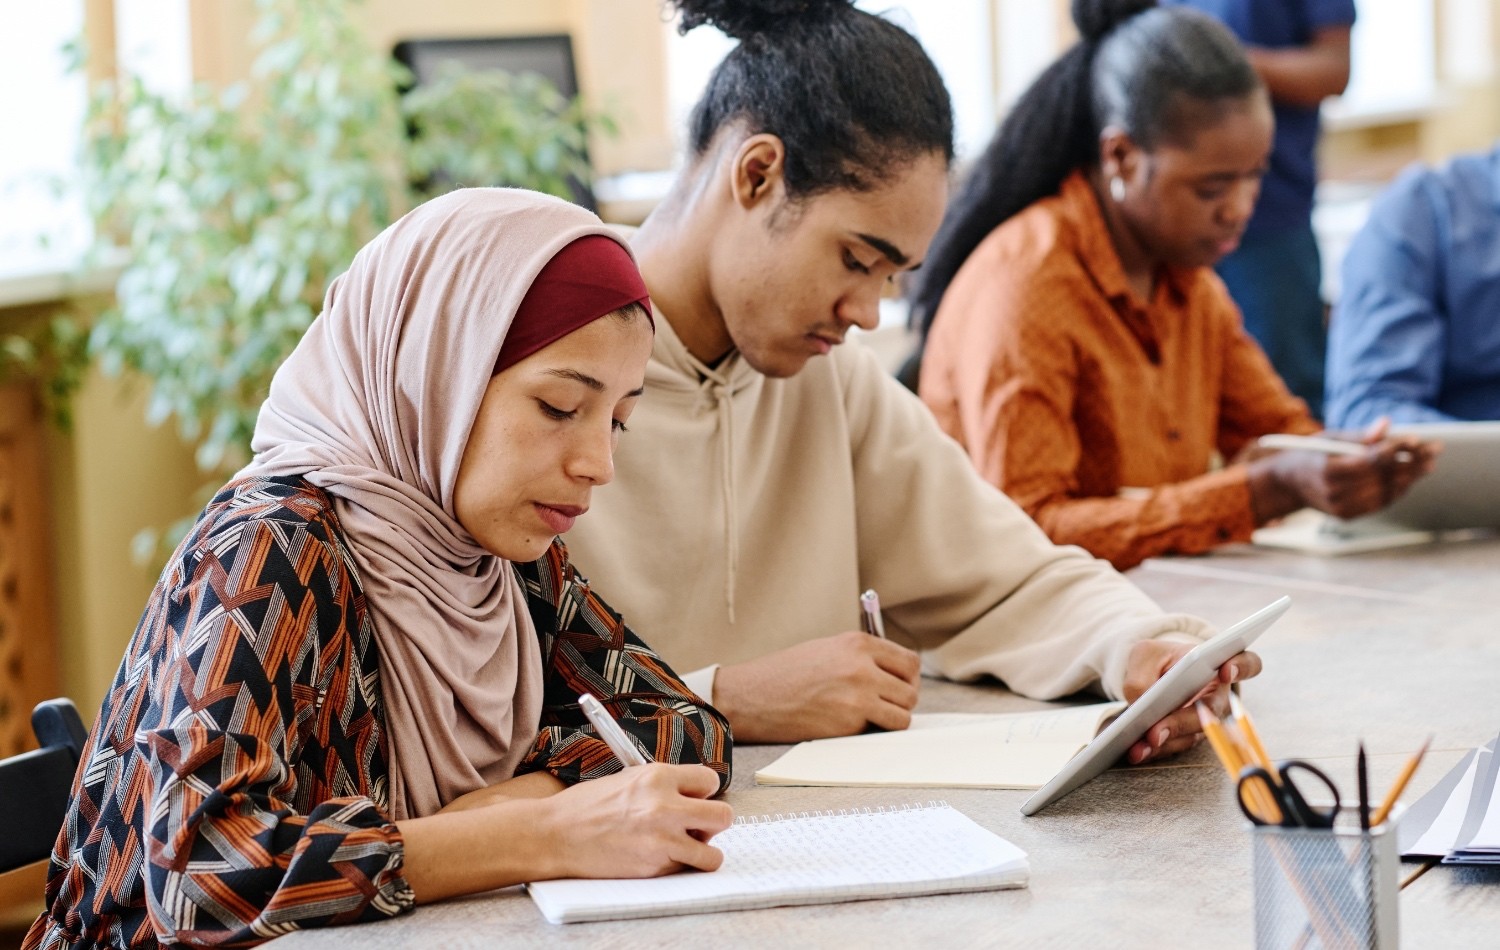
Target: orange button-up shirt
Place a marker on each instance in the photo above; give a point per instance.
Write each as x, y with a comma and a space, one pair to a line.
1065, 387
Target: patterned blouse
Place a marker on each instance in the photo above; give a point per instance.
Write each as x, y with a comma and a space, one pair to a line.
234, 785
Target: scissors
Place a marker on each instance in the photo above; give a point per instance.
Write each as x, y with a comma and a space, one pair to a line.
1295, 811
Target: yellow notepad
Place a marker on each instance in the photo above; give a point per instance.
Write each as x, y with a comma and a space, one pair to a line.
1007, 750
810, 858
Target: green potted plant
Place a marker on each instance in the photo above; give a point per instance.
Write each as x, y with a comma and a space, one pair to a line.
236, 207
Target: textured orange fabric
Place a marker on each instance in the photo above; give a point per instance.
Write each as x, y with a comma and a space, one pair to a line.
1066, 388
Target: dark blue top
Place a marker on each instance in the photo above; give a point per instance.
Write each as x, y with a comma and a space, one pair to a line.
1416, 332
1286, 197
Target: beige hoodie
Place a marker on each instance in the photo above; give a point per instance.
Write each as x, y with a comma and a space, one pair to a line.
748, 513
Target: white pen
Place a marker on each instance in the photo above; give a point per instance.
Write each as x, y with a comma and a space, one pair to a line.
609, 730
1321, 443
870, 620
1311, 443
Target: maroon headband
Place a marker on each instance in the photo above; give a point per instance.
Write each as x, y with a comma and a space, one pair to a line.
585, 280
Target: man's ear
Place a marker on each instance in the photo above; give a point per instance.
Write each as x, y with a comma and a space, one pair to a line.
758, 171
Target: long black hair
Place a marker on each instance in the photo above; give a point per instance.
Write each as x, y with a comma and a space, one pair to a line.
852, 96
1132, 63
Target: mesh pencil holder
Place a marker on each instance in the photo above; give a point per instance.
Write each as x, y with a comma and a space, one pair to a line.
1330, 889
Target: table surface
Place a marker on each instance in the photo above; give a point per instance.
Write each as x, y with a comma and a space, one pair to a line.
1387, 647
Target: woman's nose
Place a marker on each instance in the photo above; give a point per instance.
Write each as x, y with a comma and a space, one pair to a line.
593, 457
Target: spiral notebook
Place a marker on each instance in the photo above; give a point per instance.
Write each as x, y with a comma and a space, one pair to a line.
808, 858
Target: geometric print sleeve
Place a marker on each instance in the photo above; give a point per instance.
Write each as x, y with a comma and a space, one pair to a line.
587, 648
233, 786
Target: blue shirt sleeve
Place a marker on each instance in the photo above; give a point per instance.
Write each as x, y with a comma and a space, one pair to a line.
1326, 13
1388, 333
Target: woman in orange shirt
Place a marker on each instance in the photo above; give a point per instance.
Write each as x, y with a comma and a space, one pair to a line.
1078, 343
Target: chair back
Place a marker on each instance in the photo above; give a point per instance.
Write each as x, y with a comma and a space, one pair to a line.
35, 786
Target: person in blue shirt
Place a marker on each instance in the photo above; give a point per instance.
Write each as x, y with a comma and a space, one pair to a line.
1300, 49
1416, 332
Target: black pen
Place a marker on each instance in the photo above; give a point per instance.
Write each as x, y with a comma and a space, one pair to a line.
1364, 790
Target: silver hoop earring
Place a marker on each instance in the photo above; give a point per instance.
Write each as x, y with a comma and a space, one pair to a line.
1117, 188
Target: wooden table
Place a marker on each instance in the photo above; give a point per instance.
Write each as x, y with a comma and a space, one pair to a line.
1387, 648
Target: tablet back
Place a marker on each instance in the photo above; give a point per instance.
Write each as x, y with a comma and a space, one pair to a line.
1462, 491
1172, 691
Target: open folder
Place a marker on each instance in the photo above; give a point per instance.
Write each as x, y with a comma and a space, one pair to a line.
1459, 819
1006, 750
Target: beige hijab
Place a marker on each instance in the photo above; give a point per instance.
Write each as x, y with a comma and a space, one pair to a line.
375, 406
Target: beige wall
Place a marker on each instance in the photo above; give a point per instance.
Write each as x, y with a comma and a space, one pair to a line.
112, 476
618, 45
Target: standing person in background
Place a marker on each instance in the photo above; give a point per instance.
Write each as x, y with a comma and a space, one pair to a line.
772, 473
1300, 51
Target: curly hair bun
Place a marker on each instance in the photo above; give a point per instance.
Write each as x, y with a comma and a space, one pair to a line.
744, 19
1095, 18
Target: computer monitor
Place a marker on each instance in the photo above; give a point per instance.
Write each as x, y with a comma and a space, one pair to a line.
547, 55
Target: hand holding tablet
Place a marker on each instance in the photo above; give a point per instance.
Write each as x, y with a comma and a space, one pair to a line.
1198, 668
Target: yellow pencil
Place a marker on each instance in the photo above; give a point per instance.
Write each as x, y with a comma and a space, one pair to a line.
1263, 791
1229, 757
1400, 786
1214, 730
1247, 726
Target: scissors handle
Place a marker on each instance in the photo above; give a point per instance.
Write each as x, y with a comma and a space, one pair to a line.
1307, 815
1252, 776
1287, 795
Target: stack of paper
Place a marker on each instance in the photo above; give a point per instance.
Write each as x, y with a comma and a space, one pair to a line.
1011, 750
1459, 820
1312, 532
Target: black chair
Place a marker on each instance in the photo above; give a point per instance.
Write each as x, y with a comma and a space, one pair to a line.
35, 786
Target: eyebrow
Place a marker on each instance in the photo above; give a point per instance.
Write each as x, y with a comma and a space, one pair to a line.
1234, 175
890, 251
589, 381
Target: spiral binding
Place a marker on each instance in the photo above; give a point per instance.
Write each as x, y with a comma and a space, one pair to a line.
839, 812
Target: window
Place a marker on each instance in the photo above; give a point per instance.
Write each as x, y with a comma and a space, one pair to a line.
1392, 55
151, 42
43, 227
957, 34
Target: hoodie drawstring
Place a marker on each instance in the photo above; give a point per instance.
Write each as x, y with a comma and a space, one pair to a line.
718, 391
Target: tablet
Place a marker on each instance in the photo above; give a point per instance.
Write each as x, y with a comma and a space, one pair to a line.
1460, 491
1188, 675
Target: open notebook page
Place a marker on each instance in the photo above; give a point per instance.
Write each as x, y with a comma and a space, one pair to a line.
815, 858
1008, 750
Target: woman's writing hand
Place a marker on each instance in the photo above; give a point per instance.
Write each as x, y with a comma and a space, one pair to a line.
642, 822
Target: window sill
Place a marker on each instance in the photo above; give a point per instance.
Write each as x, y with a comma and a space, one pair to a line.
1339, 116
59, 281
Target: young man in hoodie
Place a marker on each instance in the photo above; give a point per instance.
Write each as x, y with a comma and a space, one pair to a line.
760, 490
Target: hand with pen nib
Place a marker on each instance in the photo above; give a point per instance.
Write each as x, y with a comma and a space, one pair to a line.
832, 686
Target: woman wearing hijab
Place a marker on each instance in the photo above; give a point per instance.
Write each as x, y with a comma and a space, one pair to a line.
366, 656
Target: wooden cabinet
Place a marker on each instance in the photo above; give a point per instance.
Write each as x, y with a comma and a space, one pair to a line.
28, 623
